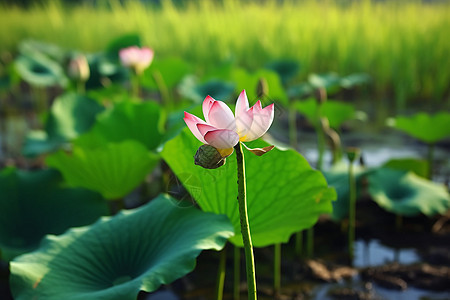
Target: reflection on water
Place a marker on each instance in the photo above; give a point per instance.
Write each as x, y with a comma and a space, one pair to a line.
373, 253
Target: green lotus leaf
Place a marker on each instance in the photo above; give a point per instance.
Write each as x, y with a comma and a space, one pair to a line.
113, 170
171, 70
70, 115
427, 128
39, 70
419, 166
117, 257
249, 82
123, 41
33, 204
286, 69
52, 51
329, 81
337, 177
300, 90
336, 112
38, 142
126, 120
285, 195
353, 80
197, 92
406, 194
105, 70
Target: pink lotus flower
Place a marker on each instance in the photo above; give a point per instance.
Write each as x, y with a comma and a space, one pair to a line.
223, 129
136, 58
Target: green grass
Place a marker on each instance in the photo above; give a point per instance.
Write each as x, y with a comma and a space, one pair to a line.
404, 45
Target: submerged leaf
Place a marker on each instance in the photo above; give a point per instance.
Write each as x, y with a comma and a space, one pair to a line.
117, 257
285, 194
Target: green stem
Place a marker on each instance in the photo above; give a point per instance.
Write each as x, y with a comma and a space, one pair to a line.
245, 227
430, 160
221, 274
351, 210
293, 126
398, 223
135, 87
237, 273
320, 145
163, 90
298, 243
276, 269
310, 242
81, 87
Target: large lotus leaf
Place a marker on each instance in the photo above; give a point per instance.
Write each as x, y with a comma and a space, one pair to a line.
33, 204
286, 69
126, 121
171, 70
40, 70
117, 257
336, 112
249, 82
284, 194
425, 127
405, 193
71, 114
338, 178
113, 170
218, 89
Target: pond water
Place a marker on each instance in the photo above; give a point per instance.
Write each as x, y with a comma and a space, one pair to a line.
373, 253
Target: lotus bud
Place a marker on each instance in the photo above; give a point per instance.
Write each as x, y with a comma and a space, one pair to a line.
208, 157
79, 68
352, 153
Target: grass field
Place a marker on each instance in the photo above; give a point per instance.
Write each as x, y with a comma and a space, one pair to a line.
403, 45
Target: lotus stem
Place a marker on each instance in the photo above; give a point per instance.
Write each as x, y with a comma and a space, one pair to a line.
135, 87
430, 160
276, 269
81, 87
351, 210
163, 90
221, 274
237, 273
298, 243
245, 228
310, 242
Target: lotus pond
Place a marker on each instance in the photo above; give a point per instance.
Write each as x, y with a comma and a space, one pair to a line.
126, 174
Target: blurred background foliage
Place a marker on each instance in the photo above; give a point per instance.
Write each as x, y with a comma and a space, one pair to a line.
402, 45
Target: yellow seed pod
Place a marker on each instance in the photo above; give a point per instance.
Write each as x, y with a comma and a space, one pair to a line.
208, 157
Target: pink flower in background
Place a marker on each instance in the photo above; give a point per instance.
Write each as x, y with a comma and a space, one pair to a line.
223, 129
136, 58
